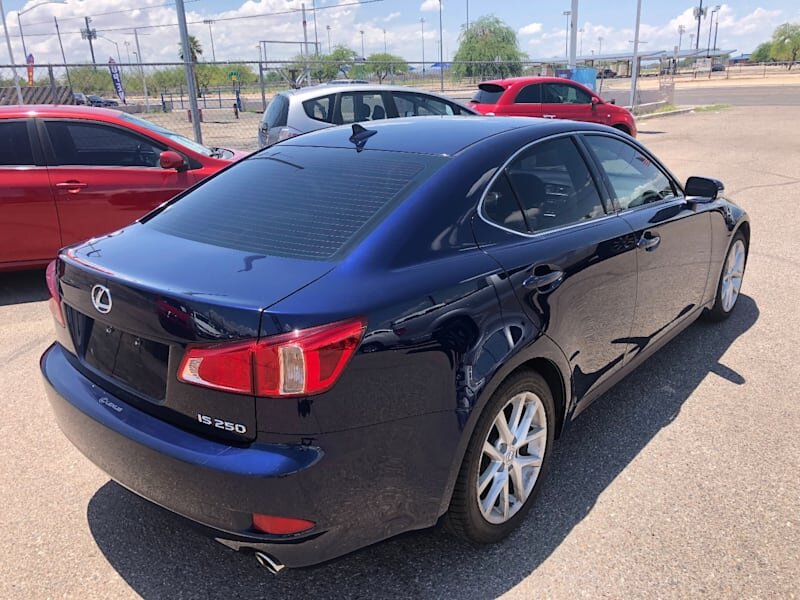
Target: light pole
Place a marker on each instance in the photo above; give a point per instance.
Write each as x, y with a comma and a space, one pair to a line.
699, 13
19, 23
385, 47
211, 35
600, 47
128, 50
581, 32
11, 54
716, 31
363, 54
681, 31
635, 74
691, 40
441, 51
119, 56
328, 27
567, 14
422, 36
710, 23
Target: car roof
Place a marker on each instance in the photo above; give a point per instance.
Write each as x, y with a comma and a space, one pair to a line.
509, 81
334, 88
437, 135
57, 110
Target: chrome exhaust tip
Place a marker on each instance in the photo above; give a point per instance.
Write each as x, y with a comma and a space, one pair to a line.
270, 564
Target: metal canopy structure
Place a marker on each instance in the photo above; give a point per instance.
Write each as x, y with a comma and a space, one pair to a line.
655, 55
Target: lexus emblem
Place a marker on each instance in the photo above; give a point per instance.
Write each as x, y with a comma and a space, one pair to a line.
101, 299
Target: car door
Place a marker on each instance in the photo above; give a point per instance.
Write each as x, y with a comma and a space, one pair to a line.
527, 102
565, 101
673, 240
28, 219
104, 176
570, 262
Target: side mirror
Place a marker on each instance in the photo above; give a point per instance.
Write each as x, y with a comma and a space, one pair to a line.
172, 160
613, 101
703, 187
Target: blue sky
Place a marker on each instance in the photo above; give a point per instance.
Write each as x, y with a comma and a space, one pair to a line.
540, 26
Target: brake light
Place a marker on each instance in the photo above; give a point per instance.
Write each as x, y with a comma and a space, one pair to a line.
54, 303
301, 363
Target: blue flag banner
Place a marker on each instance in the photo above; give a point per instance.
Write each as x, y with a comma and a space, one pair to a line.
116, 77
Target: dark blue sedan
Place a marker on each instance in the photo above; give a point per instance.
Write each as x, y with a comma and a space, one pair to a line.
359, 331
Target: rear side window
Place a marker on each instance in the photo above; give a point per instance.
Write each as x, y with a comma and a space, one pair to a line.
320, 109
530, 94
15, 145
277, 113
414, 105
488, 93
297, 202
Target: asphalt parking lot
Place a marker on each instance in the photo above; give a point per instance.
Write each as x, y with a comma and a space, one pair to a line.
681, 482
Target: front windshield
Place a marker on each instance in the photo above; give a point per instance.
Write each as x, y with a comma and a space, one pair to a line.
175, 137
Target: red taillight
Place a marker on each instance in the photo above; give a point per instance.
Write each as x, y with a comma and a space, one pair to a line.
55, 297
280, 525
301, 363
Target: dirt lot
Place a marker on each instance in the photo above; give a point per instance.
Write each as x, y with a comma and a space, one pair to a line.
681, 482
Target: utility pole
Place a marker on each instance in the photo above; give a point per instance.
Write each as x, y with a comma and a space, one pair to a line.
11, 54
422, 35
635, 74
305, 41
141, 71
211, 35
600, 48
716, 31
573, 34
187, 63
699, 13
90, 34
710, 23
467, 15
63, 56
363, 56
441, 51
385, 47
566, 13
328, 27
316, 38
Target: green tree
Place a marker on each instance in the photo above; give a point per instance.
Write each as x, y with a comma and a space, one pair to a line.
762, 53
195, 49
382, 64
786, 43
489, 48
90, 80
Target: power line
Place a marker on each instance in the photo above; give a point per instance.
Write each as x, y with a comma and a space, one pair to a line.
113, 12
221, 19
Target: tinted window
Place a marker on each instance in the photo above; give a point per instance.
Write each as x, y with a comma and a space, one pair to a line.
488, 95
277, 113
15, 145
554, 186
360, 106
413, 105
501, 207
320, 109
299, 202
633, 176
530, 94
93, 144
563, 93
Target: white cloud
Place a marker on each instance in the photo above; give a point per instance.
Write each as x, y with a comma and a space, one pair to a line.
531, 29
429, 5
391, 17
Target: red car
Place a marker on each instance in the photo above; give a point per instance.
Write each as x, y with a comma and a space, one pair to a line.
551, 98
68, 173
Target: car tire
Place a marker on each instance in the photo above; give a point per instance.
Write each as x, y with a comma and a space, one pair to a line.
500, 475
730, 279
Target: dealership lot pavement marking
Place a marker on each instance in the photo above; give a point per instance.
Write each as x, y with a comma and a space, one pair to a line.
681, 482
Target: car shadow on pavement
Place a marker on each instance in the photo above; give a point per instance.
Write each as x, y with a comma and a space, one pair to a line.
159, 555
23, 286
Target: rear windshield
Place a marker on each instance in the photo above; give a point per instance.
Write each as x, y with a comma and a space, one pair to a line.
277, 113
488, 94
297, 202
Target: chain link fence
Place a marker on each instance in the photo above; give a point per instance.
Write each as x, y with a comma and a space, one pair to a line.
233, 95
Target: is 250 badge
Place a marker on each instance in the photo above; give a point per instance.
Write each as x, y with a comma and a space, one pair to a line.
221, 424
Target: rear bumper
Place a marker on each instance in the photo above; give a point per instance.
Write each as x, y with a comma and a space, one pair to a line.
219, 486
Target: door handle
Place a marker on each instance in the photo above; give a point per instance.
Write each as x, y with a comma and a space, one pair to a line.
549, 116
72, 187
649, 242
541, 281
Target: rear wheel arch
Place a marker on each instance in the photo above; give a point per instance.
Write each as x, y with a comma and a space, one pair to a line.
745, 229
622, 127
555, 381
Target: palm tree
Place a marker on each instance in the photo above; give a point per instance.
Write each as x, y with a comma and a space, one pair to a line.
195, 49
